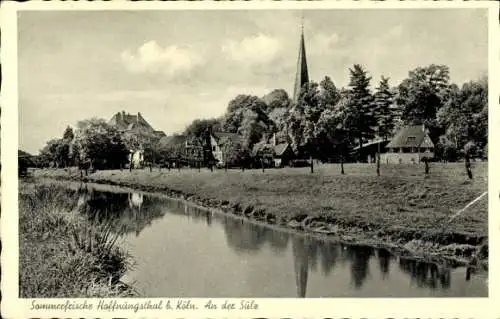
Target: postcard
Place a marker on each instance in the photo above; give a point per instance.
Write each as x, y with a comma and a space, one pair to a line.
249, 159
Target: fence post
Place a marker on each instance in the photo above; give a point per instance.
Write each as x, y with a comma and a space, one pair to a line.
468, 166
378, 164
342, 165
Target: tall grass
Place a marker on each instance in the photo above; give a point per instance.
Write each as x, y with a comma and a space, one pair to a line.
63, 254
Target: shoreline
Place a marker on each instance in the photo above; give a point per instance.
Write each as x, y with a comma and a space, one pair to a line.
452, 248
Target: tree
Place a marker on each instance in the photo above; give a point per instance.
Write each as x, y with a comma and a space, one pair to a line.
199, 126
68, 134
53, 153
464, 116
277, 98
328, 94
362, 118
100, 144
384, 112
236, 154
302, 119
59, 152
247, 116
172, 148
446, 149
422, 94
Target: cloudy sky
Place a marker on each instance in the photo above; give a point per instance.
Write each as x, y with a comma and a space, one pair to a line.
175, 66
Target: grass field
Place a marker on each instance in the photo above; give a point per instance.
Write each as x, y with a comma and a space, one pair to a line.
61, 254
401, 205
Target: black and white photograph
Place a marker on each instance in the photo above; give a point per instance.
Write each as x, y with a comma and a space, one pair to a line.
272, 153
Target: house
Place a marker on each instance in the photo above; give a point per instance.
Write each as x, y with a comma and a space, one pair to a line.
125, 122
219, 141
279, 154
134, 125
410, 145
283, 154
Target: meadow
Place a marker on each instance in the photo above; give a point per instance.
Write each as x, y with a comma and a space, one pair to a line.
402, 206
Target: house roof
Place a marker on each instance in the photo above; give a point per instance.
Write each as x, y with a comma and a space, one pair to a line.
126, 121
179, 140
370, 143
173, 140
411, 136
279, 149
224, 137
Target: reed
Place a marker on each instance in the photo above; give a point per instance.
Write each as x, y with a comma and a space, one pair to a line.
62, 253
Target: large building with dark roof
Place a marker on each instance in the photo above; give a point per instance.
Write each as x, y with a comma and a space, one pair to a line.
410, 145
134, 125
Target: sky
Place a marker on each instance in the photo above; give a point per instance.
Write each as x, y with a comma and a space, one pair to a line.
176, 66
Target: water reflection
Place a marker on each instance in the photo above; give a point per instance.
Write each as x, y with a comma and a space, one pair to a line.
133, 212
127, 212
244, 237
359, 257
426, 274
384, 261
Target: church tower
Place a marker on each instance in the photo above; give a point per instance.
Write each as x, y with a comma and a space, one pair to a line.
302, 75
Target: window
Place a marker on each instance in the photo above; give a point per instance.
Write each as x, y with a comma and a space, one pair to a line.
411, 139
213, 148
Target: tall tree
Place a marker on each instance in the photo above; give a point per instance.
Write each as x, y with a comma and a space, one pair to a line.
384, 112
363, 117
302, 119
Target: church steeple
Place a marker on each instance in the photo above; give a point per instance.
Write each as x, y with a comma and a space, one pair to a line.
302, 75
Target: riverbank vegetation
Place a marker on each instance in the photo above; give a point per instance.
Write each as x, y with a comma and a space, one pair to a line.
62, 254
402, 207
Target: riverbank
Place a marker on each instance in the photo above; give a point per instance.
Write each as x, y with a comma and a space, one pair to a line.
63, 255
401, 209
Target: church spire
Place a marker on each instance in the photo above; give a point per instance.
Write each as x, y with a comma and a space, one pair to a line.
302, 75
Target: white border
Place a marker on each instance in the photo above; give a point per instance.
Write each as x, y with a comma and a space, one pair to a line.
13, 307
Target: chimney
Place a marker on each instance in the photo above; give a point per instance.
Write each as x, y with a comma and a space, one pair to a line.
423, 127
274, 139
123, 116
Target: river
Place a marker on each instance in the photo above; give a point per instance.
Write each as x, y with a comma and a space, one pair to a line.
181, 250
